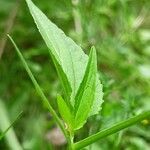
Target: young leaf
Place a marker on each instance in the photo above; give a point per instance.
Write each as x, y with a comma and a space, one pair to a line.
67, 54
65, 112
86, 92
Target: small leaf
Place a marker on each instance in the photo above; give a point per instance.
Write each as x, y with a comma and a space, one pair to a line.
65, 112
86, 92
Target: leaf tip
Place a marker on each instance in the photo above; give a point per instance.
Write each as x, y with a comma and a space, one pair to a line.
93, 52
10, 38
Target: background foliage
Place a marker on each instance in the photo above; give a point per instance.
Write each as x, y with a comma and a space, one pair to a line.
119, 29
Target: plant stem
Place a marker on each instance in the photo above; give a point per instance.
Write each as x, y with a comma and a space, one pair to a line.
40, 92
117, 127
71, 142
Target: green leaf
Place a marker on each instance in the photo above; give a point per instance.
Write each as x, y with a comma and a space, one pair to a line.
86, 92
65, 112
68, 55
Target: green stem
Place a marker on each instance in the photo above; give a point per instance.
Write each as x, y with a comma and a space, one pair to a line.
117, 127
40, 92
71, 142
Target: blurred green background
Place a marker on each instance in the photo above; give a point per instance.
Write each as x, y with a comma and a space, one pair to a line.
120, 31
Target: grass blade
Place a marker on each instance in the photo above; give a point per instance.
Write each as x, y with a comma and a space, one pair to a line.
38, 89
17, 118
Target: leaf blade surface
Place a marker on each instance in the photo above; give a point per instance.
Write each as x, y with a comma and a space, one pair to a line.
68, 55
86, 92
